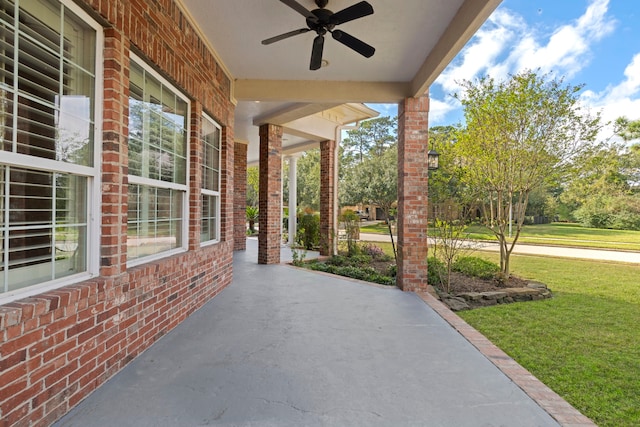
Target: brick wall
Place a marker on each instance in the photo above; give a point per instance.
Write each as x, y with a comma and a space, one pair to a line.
328, 229
240, 198
57, 347
270, 203
413, 135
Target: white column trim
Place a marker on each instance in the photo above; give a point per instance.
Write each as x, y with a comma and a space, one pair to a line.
293, 198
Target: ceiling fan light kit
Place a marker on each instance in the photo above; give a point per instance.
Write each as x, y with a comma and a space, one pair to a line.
323, 20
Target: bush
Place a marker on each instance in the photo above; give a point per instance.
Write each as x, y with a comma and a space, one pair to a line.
309, 231
616, 212
436, 271
392, 271
475, 267
374, 251
361, 273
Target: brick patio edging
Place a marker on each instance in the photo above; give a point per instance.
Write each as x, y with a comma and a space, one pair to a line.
558, 408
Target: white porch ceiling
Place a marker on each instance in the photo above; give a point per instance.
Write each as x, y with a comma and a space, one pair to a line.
414, 42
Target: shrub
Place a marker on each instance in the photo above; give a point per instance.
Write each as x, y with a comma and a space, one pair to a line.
361, 273
475, 267
617, 212
338, 260
252, 213
392, 270
352, 228
436, 271
309, 231
360, 260
374, 251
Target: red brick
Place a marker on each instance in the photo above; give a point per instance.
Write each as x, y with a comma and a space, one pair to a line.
412, 193
21, 342
328, 228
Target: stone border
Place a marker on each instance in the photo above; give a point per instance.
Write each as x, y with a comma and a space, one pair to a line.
469, 300
559, 409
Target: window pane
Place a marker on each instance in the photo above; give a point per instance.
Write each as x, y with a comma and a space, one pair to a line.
155, 220
55, 97
209, 226
210, 138
158, 122
210, 155
46, 236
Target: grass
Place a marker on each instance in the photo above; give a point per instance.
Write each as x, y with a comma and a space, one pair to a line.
376, 228
584, 343
563, 234
559, 234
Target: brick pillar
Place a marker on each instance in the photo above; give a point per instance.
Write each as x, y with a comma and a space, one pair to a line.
328, 190
240, 197
269, 236
113, 234
413, 128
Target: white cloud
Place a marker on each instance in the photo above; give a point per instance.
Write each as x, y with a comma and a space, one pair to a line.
506, 44
439, 109
567, 49
622, 99
488, 43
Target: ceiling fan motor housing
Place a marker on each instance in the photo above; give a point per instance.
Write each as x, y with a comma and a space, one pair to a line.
323, 23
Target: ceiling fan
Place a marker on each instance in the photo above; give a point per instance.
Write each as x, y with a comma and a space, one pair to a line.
323, 20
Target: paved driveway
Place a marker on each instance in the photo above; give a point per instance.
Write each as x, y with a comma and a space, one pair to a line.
287, 347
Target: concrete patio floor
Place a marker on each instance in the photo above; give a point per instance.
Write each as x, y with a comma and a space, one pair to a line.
282, 346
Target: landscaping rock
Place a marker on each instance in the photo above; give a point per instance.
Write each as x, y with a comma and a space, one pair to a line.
495, 295
536, 285
456, 303
470, 296
468, 300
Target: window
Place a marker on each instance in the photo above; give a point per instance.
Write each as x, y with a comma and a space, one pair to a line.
210, 192
157, 166
48, 174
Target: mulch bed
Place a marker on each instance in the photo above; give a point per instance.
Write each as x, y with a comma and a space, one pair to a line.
461, 283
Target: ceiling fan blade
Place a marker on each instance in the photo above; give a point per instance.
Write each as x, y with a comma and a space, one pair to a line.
356, 44
285, 36
356, 11
316, 53
293, 4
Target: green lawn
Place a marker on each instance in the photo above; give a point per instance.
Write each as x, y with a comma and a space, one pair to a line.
584, 343
560, 234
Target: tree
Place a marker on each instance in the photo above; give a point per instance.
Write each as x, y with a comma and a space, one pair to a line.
372, 137
627, 130
604, 191
447, 191
520, 134
308, 180
630, 131
374, 181
253, 186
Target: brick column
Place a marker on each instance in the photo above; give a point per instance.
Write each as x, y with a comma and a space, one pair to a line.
328, 190
269, 236
113, 235
413, 128
240, 197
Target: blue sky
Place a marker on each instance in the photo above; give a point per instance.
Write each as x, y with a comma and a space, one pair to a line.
590, 42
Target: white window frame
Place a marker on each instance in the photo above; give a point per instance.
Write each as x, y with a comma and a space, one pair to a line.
216, 194
134, 179
92, 174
